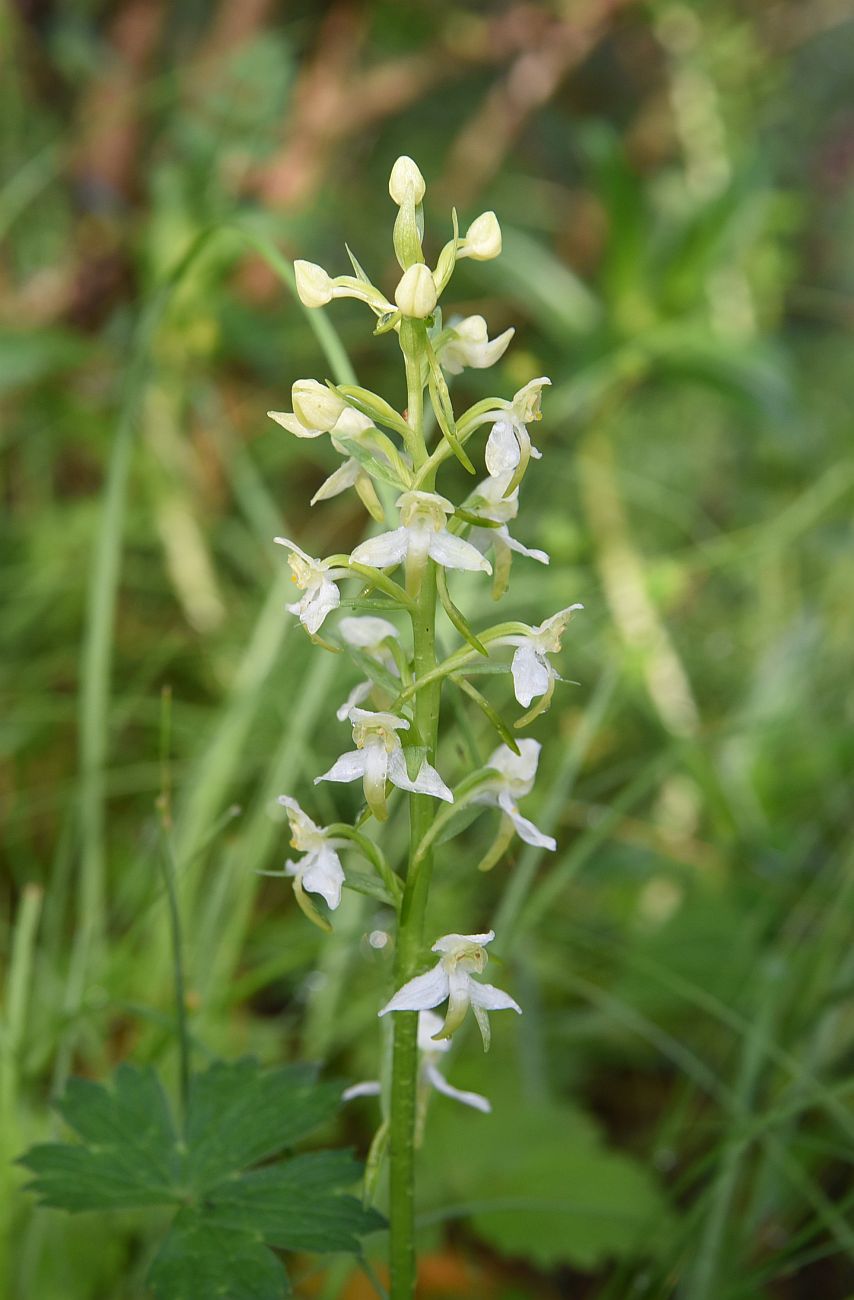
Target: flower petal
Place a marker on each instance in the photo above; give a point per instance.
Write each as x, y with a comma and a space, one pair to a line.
349, 767
491, 998
502, 449
293, 425
384, 551
518, 547
360, 692
318, 601
451, 942
421, 993
324, 875
531, 674
440, 1083
455, 553
370, 1088
526, 830
339, 481
428, 780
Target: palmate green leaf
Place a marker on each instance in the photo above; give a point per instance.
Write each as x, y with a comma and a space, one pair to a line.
128, 1156
131, 1154
201, 1261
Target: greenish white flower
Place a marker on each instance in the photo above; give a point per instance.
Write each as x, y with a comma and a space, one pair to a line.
316, 288
514, 778
489, 502
533, 672
422, 533
461, 957
430, 1051
317, 579
509, 439
319, 870
371, 635
468, 344
379, 757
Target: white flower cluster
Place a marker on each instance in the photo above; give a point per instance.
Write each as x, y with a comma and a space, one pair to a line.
375, 443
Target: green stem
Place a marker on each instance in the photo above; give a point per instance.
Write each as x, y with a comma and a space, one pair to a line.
410, 934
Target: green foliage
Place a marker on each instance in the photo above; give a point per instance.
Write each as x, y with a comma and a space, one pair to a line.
536, 1179
131, 1154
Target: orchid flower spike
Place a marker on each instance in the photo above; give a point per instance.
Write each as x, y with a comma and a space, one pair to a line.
430, 1051
370, 635
379, 757
488, 500
533, 672
319, 870
509, 442
461, 956
423, 533
317, 579
514, 778
467, 343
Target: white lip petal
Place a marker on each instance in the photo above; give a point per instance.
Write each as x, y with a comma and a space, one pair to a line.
384, 551
455, 553
502, 449
420, 994
349, 767
427, 781
490, 998
440, 1083
428, 1025
531, 674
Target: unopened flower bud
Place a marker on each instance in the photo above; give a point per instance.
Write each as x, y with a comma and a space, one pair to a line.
483, 238
314, 286
315, 405
416, 293
405, 174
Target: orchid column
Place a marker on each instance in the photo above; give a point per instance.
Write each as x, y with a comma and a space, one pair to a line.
404, 570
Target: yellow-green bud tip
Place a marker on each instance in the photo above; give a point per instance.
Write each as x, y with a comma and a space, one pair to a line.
416, 293
405, 175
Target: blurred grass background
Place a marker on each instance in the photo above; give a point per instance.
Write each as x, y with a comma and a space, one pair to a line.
676, 184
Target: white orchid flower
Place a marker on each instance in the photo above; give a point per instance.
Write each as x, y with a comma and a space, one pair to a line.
317, 579
431, 1050
509, 440
461, 956
489, 502
319, 870
468, 344
533, 673
369, 634
514, 779
347, 423
423, 517
379, 757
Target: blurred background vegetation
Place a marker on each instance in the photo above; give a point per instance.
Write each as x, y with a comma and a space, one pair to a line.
672, 1115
